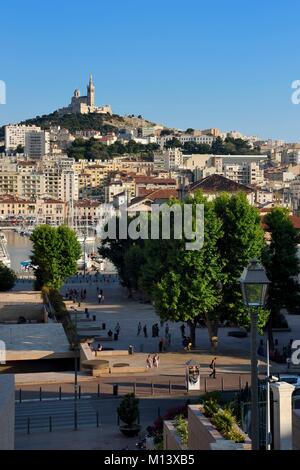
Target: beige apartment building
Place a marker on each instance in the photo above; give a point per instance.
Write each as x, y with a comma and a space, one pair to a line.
46, 210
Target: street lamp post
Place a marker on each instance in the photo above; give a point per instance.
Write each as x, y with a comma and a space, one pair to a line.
84, 254
75, 371
254, 285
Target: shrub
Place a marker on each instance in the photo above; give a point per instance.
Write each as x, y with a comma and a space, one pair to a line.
7, 278
210, 407
181, 426
224, 421
128, 410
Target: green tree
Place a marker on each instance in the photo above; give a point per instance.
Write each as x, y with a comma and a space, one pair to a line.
7, 278
55, 253
217, 147
242, 240
172, 143
281, 262
188, 290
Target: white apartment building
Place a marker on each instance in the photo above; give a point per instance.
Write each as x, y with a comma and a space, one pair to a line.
37, 144
15, 135
173, 159
244, 173
35, 179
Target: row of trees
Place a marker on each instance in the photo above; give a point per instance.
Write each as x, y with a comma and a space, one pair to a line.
94, 150
219, 147
202, 285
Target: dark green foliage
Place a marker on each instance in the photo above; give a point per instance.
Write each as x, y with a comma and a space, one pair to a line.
128, 410
7, 278
95, 150
281, 262
61, 312
242, 240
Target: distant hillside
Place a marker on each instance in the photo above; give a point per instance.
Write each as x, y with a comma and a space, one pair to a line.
76, 122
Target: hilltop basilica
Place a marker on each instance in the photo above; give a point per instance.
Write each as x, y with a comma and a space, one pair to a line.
85, 104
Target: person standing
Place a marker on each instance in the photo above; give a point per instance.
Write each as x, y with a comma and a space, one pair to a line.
149, 362
155, 360
139, 329
145, 331
160, 345
213, 368
117, 329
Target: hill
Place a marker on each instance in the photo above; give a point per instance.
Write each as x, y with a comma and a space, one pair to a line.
75, 122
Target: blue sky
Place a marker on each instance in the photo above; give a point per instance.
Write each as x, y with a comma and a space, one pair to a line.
192, 63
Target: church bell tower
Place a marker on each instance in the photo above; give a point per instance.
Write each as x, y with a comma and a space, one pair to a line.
91, 93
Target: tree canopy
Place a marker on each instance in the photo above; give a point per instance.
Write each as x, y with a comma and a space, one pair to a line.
7, 278
55, 253
281, 261
197, 284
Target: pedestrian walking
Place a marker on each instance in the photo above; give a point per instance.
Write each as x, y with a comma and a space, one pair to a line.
213, 368
139, 329
156, 360
145, 331
182, 329
149, 362
100, 296
153, 331
117, 329
160, 345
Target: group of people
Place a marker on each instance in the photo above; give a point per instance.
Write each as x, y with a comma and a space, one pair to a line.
140, 328
152, 361
75, 295
155, 330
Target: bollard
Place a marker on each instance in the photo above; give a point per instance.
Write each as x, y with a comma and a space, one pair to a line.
170, 387
40, 393
97, 417
222, 384
152, 388
205, 385
79, 390
20, 396
28, 425
75, 420
115, 390
50, 423
98, 391
60, 393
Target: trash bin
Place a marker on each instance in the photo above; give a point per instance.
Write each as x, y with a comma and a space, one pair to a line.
130, 349
115, 389
116, 336
94, 317
103, 326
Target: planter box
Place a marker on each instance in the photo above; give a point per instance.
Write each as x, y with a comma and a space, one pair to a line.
204, 436
172, 440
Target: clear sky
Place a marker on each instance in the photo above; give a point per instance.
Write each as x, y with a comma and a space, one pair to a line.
192, 63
